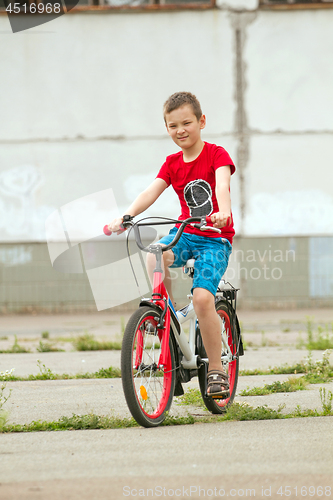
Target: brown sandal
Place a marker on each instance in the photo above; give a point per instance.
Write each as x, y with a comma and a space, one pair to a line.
218, 383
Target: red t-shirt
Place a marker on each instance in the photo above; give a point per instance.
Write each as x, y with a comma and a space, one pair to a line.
194, 183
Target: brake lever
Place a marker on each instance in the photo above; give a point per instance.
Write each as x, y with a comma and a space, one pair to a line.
209, 228
203, 226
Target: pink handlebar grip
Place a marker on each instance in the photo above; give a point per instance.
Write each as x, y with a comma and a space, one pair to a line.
107, 231
209, 220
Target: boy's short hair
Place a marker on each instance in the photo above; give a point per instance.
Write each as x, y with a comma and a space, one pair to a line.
179, 99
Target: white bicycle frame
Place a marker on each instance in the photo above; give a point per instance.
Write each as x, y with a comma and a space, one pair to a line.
187, 347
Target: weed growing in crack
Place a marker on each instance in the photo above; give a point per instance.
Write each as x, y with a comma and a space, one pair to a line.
16, 348
191, 397
47, 347
293, 384
87, 342
317, 372
3, 397
326, 401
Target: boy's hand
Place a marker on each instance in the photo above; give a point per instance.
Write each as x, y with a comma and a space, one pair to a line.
220, 219
114, 226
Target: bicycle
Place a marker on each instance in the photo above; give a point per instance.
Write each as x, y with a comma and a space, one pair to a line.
156, 357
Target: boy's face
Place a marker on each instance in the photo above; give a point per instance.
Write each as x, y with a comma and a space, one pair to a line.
183, 127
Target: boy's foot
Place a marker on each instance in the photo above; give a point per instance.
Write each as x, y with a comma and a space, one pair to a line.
218, 384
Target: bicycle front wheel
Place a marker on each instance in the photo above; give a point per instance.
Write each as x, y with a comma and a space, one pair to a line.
148, 388
229, 334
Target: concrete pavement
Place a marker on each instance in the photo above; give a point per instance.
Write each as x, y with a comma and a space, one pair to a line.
239, 458
230, 458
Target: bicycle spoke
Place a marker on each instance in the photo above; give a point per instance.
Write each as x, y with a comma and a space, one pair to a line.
149, 380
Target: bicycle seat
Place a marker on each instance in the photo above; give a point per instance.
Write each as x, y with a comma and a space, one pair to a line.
223, 285
190, 263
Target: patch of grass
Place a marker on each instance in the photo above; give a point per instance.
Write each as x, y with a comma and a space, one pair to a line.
45, 335
320, 371
4, 398
3, 419
326, 401
47, 347
16, 348
47, 374
44, 373
322, 341
237, 411
75, 422
87, 342
265, 342
243, 411
191, 397
175, 420
315, 372
300, 342
63, 339
110, 372
293, 384
276, 370
4, 337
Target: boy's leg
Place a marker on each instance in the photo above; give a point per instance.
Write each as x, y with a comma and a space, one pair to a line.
210, 265
210, 326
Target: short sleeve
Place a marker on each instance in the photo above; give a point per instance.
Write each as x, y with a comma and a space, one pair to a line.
164, 174
222, 159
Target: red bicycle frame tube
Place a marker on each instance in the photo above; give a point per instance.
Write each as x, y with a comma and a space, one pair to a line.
161, 298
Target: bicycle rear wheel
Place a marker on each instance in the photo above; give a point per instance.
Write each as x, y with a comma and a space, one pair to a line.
227, 326
148, 388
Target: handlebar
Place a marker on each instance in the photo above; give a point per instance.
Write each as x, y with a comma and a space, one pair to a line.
127, 222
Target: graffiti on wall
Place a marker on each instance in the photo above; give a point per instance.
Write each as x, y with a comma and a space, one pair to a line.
21, 218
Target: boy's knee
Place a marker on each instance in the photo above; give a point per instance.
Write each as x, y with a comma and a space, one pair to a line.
168, 258
203, 300
150, 260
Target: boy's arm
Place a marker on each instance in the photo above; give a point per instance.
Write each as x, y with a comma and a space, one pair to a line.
222, 192
141, 203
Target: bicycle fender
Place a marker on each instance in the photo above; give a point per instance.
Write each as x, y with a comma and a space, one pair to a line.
239, 338
174, 323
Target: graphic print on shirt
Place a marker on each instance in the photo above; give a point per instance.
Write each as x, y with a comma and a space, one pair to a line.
198, 197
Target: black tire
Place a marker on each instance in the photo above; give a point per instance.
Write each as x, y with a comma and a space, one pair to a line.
148, 389
218, 406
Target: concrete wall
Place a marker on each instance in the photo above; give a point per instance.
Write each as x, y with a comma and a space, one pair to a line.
81, 112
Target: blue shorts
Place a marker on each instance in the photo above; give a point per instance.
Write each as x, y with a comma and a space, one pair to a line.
211, 257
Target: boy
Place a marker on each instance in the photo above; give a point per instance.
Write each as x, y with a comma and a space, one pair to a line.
200, 175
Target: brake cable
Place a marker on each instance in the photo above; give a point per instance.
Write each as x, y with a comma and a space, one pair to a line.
140, 254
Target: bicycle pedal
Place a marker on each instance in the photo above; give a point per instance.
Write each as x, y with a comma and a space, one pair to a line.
225, 396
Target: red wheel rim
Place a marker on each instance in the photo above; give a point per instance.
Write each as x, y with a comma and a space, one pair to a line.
152, 385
